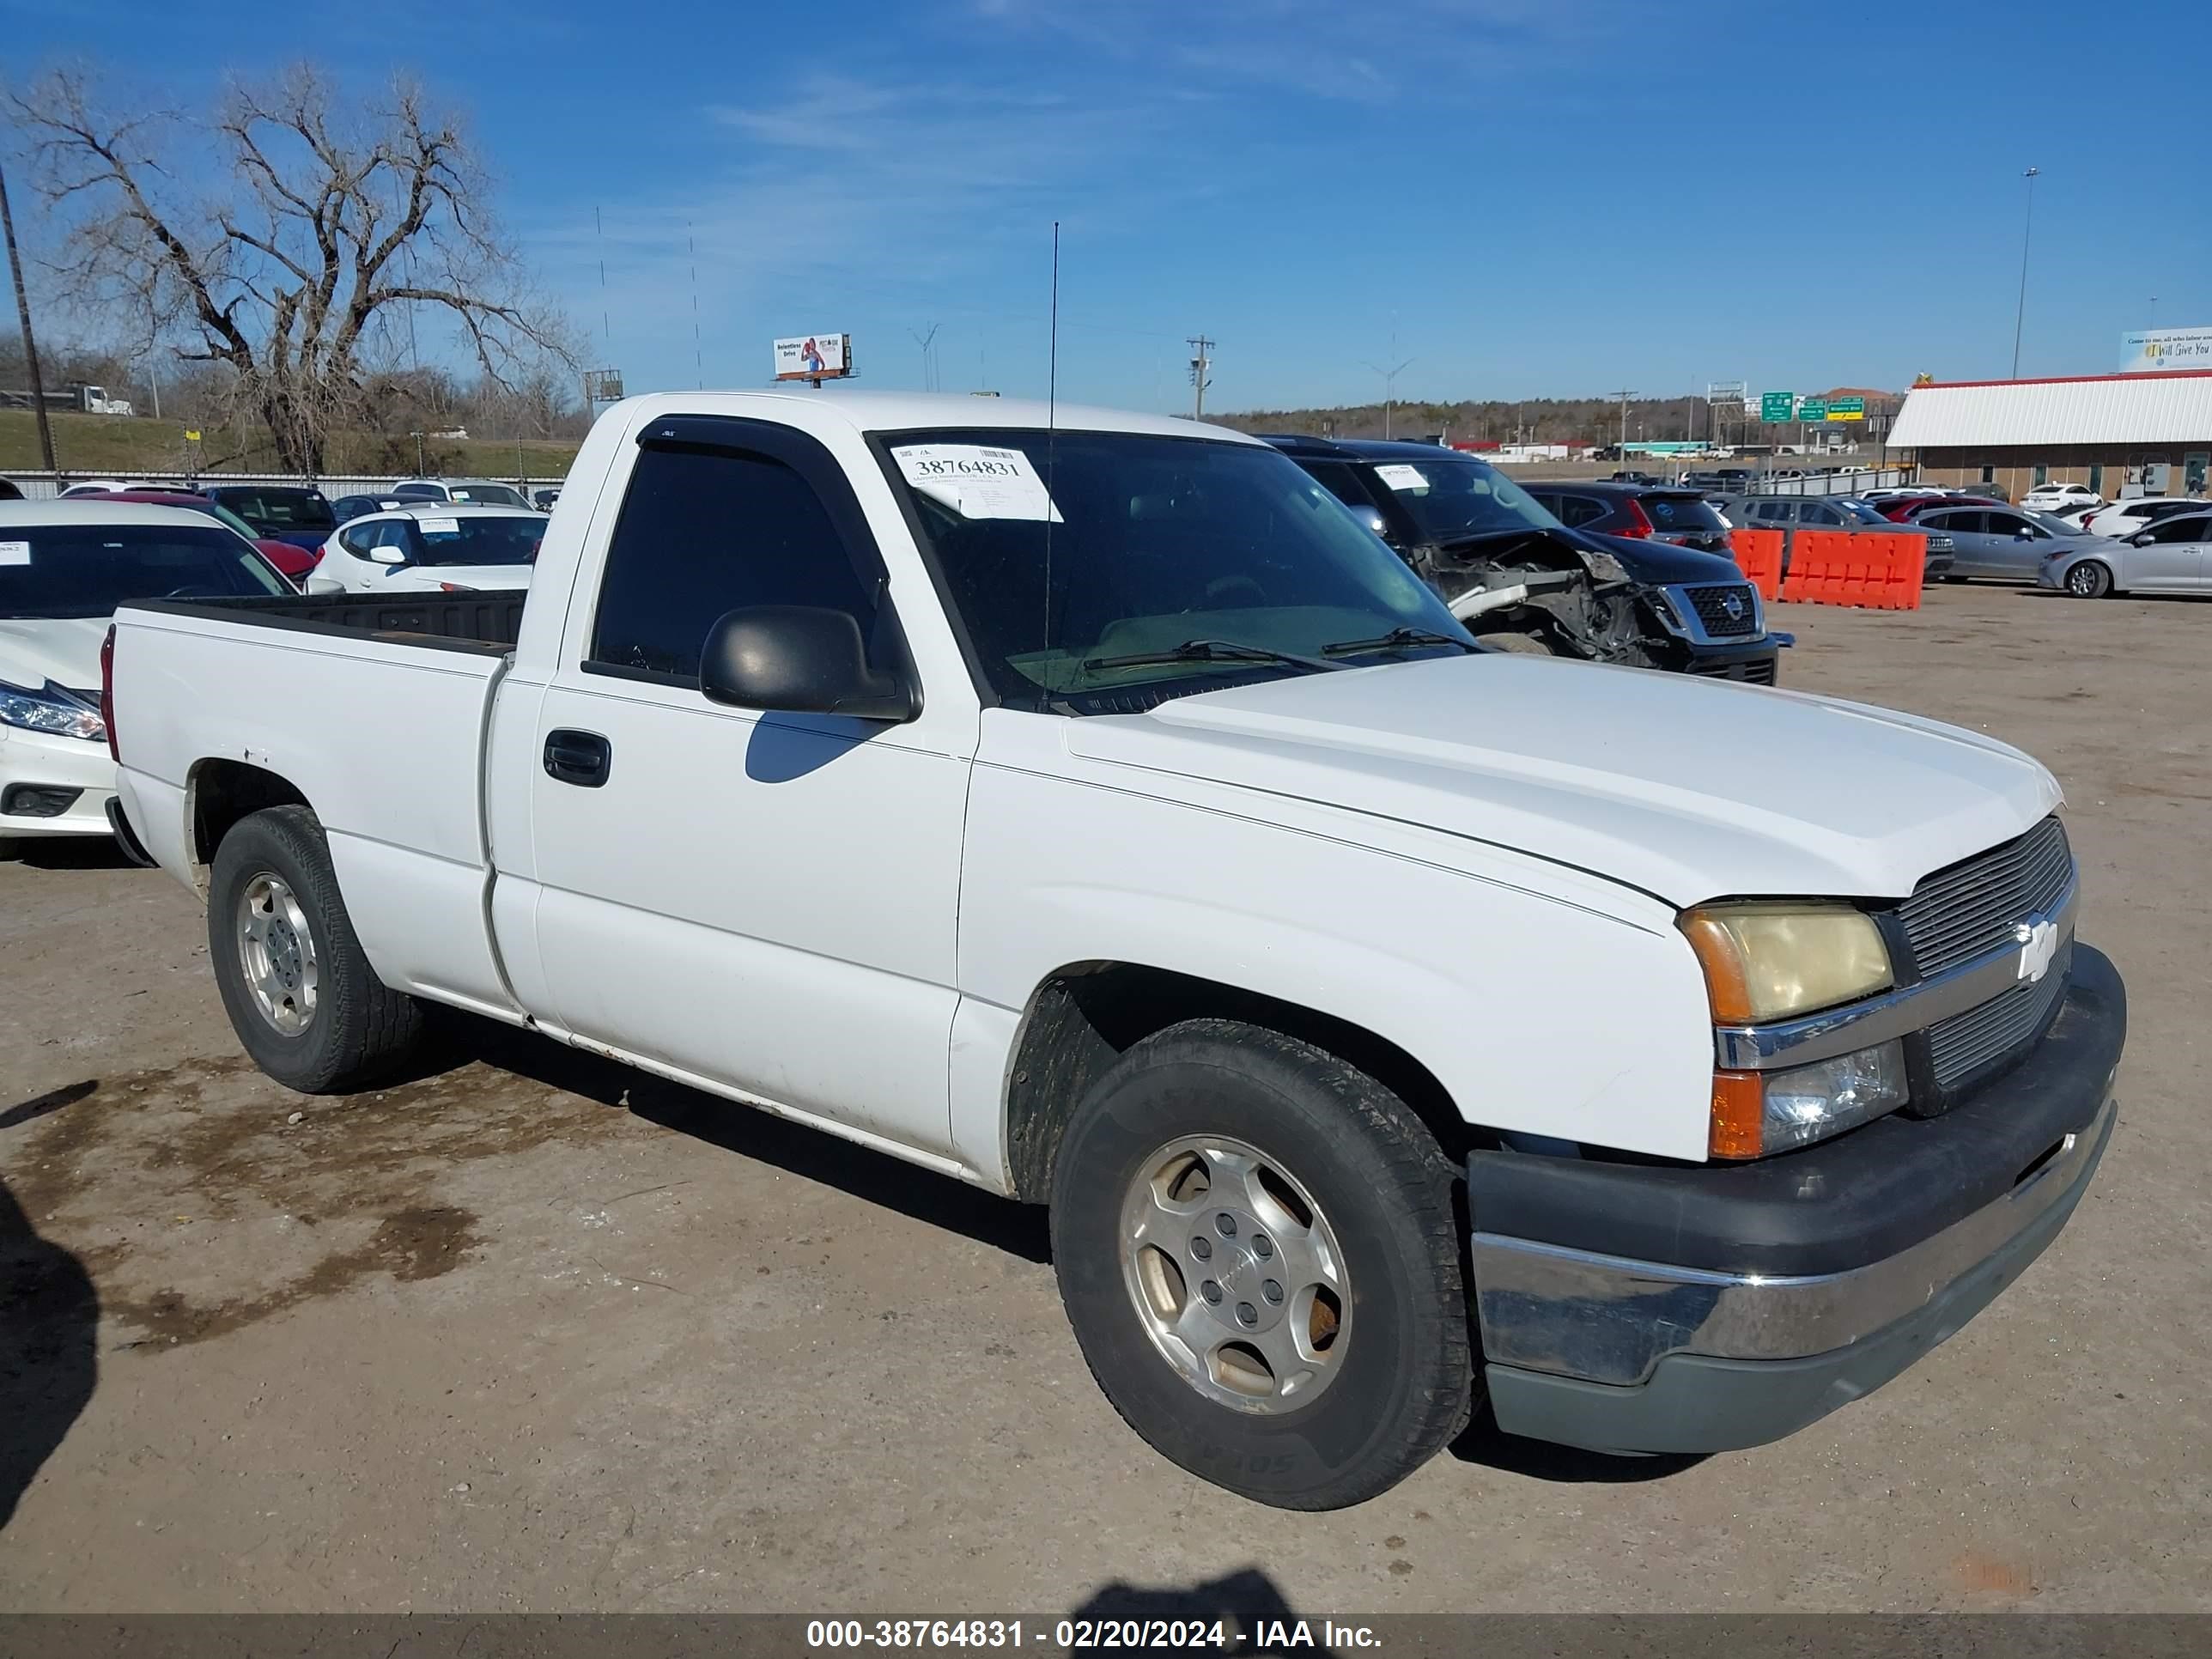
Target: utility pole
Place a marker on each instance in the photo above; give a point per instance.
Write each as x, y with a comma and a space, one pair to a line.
928, 357
23, 316
1624, 395
1390, 388
2027, 231
1202, 367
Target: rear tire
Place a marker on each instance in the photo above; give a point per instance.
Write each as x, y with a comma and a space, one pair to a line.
1524, 645
2092, 578
1355, 1308
298, 988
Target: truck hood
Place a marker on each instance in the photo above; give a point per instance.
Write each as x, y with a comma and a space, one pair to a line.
1689, 789
63, 649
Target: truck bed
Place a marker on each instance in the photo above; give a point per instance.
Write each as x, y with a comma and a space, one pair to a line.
487, 623
375, 709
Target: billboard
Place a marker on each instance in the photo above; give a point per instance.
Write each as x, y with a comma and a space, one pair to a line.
2145, 349
814, 357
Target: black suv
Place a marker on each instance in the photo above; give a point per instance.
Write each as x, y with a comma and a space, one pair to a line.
1462, 525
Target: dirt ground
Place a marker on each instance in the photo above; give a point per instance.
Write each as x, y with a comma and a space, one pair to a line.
531, 1331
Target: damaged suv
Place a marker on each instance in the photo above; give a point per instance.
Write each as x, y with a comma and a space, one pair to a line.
1521, 580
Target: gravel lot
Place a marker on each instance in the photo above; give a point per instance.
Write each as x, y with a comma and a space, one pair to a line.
533, 1332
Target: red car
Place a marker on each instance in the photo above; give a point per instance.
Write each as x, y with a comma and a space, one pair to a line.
1903, 507
293, 562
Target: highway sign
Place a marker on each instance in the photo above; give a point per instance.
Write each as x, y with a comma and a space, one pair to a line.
1776, 405
1813, 409
1847, 409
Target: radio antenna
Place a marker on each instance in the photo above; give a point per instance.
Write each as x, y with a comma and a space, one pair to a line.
1051, 431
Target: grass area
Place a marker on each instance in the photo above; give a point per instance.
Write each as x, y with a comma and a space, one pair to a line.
97, 445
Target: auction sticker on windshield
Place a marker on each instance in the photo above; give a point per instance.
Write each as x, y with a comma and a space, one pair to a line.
440, 526
1403, 478
977, 482
15, 552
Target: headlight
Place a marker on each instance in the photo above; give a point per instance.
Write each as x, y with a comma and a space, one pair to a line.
1767, 960
1756, 1113
51, 709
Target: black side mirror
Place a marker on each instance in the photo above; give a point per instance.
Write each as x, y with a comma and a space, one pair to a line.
799, 659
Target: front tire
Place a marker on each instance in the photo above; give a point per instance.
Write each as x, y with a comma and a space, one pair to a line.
1255, 1244
1524, 645
299, 989
2092, 578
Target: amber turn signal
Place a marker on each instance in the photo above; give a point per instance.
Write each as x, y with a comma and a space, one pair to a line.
1738, 1114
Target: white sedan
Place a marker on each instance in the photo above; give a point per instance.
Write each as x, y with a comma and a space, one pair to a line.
64, 565
2060, 497
431, 546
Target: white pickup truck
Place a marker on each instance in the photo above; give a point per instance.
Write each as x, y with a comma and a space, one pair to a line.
1084, 805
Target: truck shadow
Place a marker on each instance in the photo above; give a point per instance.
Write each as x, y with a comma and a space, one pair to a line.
1482, 1441
1247, 1601
794, 1148
49, 1320
72, 853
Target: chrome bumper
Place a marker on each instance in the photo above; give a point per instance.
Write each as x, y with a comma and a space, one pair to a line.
1607, 1319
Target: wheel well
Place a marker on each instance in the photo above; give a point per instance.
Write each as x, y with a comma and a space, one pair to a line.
223, 792
1086, 1015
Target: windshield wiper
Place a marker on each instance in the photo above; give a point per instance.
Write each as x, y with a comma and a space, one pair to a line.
1208, 651
1396, 636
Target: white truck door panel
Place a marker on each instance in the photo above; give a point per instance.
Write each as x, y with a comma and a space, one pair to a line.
766, 900
741, 899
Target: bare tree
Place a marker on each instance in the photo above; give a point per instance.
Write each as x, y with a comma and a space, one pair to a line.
284, 240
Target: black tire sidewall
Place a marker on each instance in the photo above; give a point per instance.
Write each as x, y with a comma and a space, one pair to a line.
1406, 1327
286, 843
2101, 581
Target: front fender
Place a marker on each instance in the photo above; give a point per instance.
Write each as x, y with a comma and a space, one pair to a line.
1544, 1000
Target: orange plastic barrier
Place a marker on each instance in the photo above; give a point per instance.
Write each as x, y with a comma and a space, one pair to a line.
1865, 568
1759, 556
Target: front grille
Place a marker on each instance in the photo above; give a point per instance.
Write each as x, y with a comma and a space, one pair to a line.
1963, 1045
1712, 608
1759, 670
1958, 913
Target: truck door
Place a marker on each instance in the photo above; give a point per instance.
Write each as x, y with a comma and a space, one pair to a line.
766, 900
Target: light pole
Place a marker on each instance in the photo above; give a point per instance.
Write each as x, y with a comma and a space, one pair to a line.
2027, 231
1390, 388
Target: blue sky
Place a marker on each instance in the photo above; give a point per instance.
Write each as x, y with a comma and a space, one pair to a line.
1562, 197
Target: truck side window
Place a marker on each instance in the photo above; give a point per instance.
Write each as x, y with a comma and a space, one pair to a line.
706, 531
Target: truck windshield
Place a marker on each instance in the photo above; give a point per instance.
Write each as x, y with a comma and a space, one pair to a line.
478, 540
87, 570
1079, 561
1452, 497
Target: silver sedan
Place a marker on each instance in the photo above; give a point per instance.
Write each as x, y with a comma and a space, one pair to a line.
2007, 544
2175, 555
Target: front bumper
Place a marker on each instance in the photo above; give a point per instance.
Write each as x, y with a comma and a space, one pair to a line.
34, 763
1627, 1308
